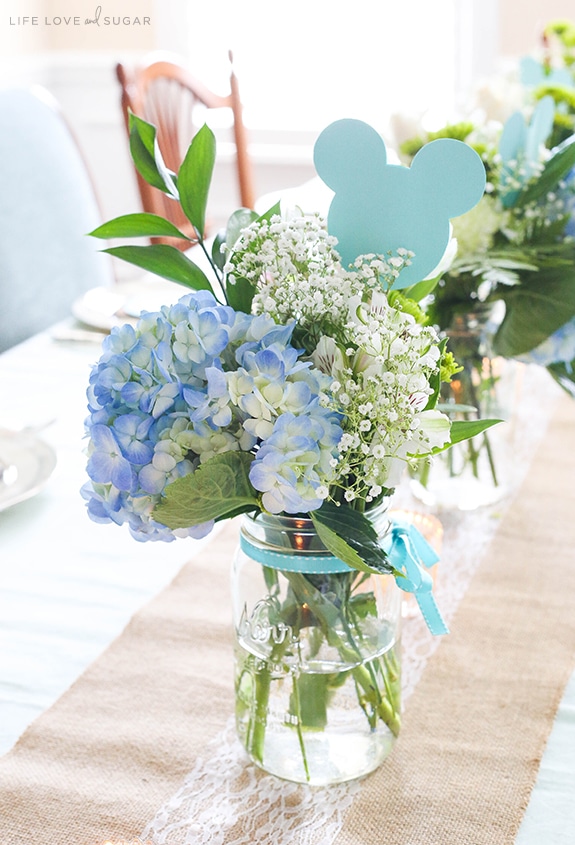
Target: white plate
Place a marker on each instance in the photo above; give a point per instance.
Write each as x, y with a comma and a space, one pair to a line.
105, 307
31, 462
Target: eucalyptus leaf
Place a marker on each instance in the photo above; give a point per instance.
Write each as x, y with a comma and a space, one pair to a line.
353, 522
308, 701
218, 256
142, 225
195, 176
219, 488
144, 151
165, 261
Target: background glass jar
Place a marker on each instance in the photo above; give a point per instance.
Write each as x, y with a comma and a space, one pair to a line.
475, 472
317, 654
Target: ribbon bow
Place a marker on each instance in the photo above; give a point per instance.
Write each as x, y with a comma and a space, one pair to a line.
411, 554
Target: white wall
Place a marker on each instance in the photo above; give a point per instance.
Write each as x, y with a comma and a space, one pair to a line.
522, 21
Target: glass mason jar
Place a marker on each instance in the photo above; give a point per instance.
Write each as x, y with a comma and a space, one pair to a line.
317, 660
473, 473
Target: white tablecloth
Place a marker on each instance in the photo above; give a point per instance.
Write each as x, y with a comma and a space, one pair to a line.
67, 585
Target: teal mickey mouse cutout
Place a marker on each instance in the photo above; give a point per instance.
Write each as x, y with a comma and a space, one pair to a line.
519, 148
532, 74
380, 207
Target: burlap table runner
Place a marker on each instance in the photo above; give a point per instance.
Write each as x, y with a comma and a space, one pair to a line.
99, 763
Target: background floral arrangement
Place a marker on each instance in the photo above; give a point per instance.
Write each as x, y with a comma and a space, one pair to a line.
289, 383
551, 73
516, 246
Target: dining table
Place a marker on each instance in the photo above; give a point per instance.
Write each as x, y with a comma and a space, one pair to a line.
116, 656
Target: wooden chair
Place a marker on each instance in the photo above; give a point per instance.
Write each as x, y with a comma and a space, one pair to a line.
165, 94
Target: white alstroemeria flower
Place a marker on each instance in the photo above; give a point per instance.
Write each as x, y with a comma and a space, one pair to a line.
360, 312
328, 357
433, 430
366, 363
394, 469
379, 303
418, 400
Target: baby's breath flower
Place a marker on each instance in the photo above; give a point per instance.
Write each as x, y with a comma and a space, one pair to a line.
379, 356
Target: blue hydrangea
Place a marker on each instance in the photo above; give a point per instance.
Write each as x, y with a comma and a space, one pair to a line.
292, 464
192, 381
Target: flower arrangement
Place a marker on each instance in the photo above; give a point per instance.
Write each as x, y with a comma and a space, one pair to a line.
288, 384
552, 74
516, 246
292, 383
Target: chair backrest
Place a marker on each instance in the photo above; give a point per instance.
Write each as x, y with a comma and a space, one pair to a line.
163, 92
47, 207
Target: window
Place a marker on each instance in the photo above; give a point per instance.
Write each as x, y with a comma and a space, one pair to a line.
303, 63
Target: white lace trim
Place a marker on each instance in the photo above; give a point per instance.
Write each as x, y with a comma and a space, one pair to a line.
226, 799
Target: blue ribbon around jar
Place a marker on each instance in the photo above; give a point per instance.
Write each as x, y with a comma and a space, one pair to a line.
408, 552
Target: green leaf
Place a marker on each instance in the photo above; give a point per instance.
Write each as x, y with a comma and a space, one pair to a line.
218, 256
350, 536
460, 430
435, 380
145, 153
564, 375
240, 219
555, 169
534, 310
218, 488
352, 522
455, 408
271, 212
309, 699
138, 226
165, 261
240, 295
339, 548
465, 429
421, 289
195, 176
